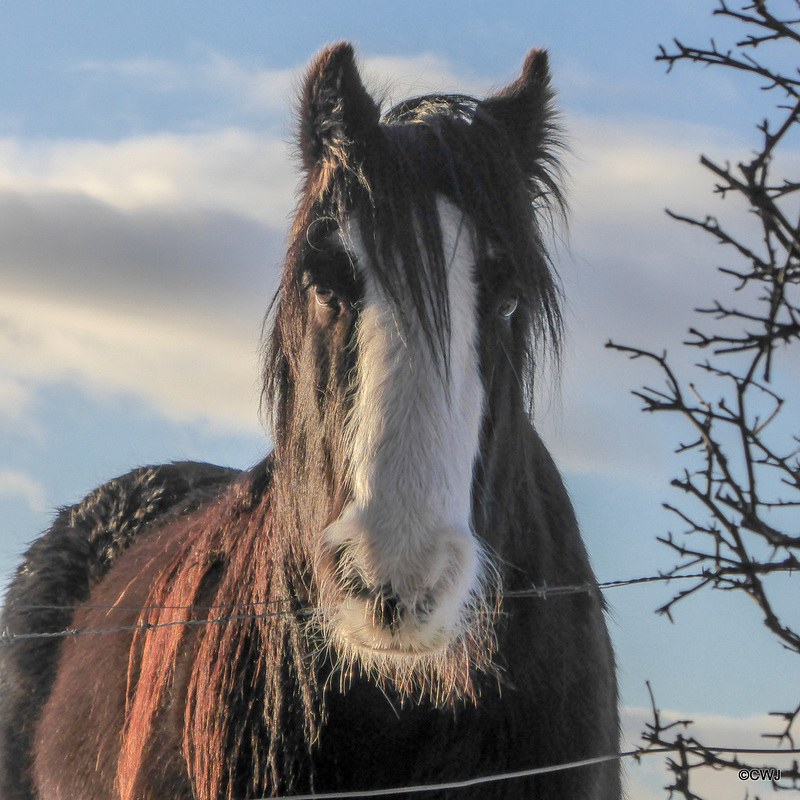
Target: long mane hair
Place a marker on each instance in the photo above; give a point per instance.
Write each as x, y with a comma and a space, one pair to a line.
256, 706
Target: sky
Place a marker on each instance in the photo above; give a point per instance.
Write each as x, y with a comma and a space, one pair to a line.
146, 182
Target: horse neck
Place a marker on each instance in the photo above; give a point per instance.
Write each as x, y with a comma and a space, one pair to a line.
521, 507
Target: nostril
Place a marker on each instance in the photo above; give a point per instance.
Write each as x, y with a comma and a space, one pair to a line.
388, 610
423, 608
353, 584
348, 576
392, 609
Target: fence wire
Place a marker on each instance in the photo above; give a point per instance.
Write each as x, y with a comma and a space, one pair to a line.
543, 592
463, 784
524, 773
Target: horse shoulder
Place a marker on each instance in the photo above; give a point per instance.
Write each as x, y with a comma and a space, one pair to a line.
58, 572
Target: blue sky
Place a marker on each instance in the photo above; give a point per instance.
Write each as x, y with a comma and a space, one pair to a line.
145, 185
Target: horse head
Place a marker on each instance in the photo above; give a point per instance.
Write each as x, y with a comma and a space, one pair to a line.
415, 288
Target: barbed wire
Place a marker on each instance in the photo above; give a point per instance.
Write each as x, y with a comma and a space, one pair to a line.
9, 637
543, 592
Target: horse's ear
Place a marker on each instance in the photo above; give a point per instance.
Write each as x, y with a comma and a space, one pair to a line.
524, 109
336, 110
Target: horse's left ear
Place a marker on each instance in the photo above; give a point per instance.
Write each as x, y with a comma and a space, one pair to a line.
524, 109
336, 110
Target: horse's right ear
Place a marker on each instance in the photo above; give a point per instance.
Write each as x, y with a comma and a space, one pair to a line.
336, 110
524, 109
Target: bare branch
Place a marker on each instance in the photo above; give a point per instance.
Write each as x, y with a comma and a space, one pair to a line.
744, 468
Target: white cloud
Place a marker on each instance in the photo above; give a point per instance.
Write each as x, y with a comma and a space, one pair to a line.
14, 397
395, 78
624, 168
232, 170
647, 778
251, 87
186, 371
254, 87
159, 74
635, 276
257, 88
14, 483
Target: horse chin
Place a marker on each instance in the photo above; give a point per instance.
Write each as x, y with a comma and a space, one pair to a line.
435, 663
355, 625
360, 626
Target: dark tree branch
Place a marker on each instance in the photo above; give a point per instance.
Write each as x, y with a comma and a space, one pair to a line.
741, 492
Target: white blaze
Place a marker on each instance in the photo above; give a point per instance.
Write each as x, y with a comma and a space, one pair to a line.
413, 444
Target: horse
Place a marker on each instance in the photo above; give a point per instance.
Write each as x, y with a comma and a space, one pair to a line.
354, 612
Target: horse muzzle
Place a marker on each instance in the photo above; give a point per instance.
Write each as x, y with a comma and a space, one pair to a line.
407, 586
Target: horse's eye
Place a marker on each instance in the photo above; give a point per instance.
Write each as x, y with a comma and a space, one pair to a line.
507, 307
325, 296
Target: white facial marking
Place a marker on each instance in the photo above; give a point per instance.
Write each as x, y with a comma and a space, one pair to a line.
405, 536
